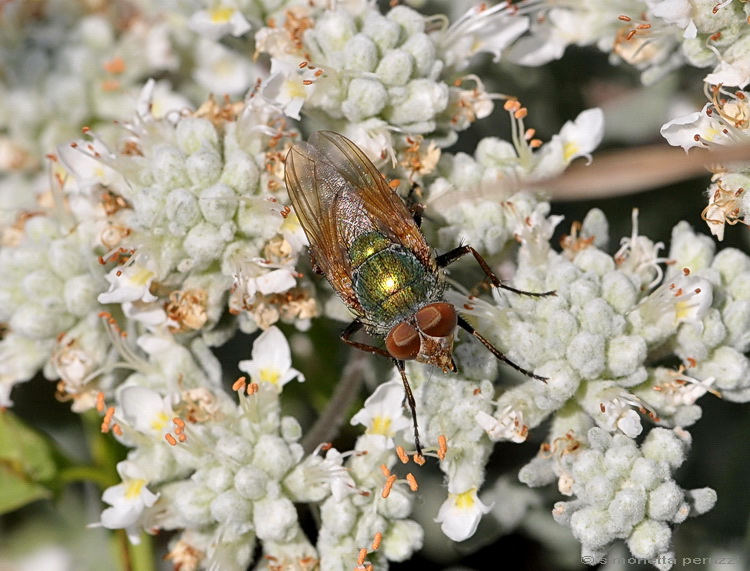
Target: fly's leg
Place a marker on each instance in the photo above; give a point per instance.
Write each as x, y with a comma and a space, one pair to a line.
411, 402
414, 203
457, 253
351, 329
465, 325
355, 326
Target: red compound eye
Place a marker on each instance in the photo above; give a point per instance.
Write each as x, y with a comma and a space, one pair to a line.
403, 342
437, 319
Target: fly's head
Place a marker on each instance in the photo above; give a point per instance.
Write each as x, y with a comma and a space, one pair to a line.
427, 337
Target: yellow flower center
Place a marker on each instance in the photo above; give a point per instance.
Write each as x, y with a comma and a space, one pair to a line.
381, 425
270, 376
140, 276
159, 421
465, 501
294, 88
133, 489
221, 14
570, 149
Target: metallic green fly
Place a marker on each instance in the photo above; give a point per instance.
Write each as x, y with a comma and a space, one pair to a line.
369, 246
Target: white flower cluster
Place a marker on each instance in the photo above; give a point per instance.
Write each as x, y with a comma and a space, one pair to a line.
593, 341
722, 123
47, 288
372, 74
656, 36
478, 198
79, 65
623, 491
216, 468
201, 207
228, 475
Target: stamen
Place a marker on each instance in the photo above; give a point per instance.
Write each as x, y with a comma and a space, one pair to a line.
402, 455
240, 384
412, 482
443, 447
388, 486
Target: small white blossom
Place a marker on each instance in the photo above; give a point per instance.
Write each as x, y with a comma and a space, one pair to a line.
131, 282
218, 21
507, 426
275, 281
272, 360
460, 514
129, 501
146, 411
383, 414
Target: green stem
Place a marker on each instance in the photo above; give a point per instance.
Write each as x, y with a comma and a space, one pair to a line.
141, 556
104, 449
102, 478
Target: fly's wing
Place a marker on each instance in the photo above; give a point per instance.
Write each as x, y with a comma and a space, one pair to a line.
383, 206
312, 185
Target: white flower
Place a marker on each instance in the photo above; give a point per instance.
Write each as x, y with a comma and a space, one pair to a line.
218, 21
286, 88
482, 29
460, 514
146, 410
129, 500
383, 414
272, 360
507, 426
618, 412
684, 299
275, 281
317, 477
637, 256
130, 282
577, 138
701, 128
221, 70
735, 73
675, 12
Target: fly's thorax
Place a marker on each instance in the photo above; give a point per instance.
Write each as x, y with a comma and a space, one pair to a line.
366, 245
390, 282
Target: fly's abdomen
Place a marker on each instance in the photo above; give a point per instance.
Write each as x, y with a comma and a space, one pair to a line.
389, 281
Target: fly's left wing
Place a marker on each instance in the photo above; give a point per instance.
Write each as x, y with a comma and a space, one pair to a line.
312, 193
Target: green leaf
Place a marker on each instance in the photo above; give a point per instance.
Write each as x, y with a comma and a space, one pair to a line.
27, 463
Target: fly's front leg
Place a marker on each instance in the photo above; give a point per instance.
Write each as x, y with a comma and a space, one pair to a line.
457, 253
495, 351
355, 326
351, 329
412, 403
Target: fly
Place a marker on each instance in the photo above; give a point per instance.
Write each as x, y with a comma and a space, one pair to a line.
369, 246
